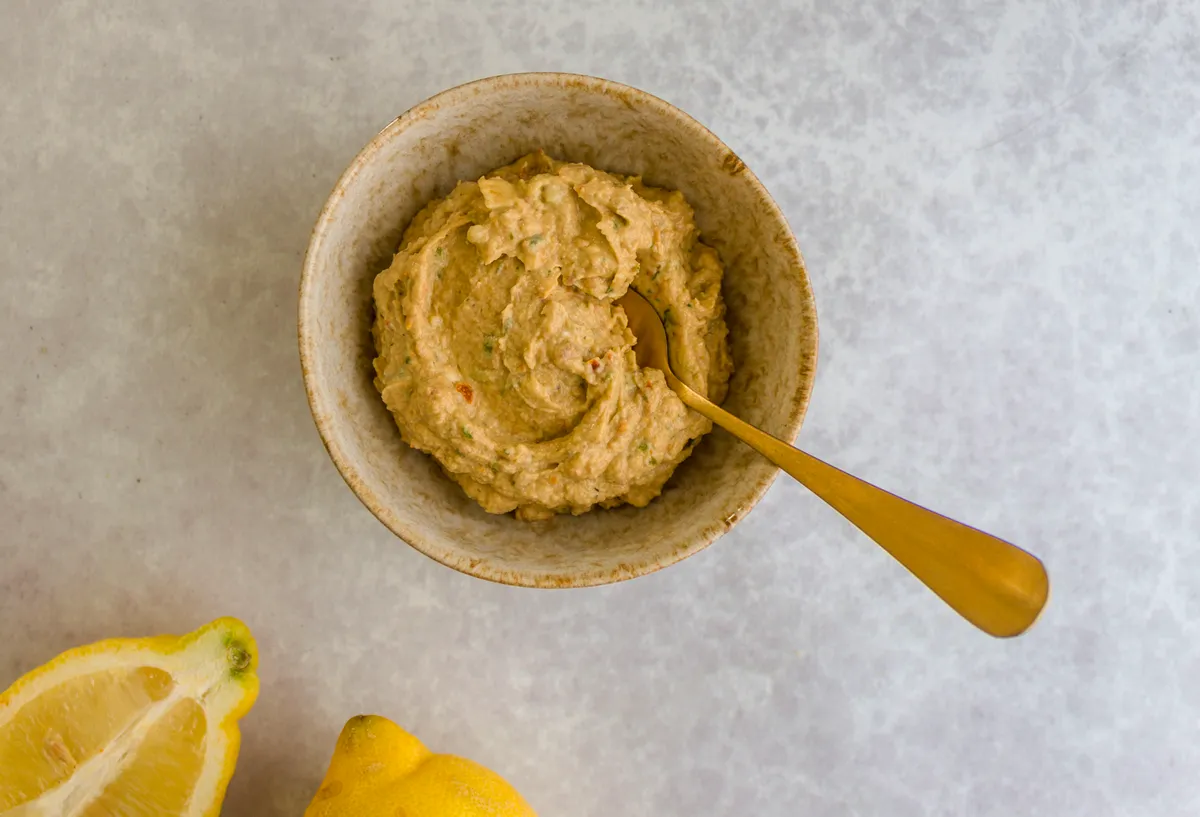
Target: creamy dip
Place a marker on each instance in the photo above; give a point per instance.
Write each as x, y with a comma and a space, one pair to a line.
502, 354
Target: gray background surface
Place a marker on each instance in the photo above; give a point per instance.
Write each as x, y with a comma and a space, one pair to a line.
998, 203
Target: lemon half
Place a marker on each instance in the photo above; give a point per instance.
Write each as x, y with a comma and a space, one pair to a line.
129, 727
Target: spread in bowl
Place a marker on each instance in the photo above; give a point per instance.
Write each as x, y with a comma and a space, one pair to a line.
502, 354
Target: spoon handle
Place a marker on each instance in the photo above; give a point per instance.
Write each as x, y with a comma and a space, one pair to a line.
995, 585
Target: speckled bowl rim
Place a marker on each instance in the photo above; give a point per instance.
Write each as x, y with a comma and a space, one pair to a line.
324, 421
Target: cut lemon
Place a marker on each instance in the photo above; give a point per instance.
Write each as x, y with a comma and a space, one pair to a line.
129, 727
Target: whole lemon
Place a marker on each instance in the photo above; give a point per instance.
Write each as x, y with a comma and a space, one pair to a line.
379, 770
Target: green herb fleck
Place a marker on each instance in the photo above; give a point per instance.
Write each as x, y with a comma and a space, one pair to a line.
440, 252
667, 316
489, 344
653, 461
643, 446
467, 433
407, 359
535, 239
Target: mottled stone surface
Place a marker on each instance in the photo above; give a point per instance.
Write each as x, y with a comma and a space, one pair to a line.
998, 204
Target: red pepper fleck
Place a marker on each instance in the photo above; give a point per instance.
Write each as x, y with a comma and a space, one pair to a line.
595, 364
465, 390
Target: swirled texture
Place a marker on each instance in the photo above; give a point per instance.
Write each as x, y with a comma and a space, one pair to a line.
502, 354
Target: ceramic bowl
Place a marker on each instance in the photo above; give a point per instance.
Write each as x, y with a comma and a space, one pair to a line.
461, 134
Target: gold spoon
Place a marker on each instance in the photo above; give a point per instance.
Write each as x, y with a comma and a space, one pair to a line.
994, 585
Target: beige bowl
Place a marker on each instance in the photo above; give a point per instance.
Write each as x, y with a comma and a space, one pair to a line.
461, 134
